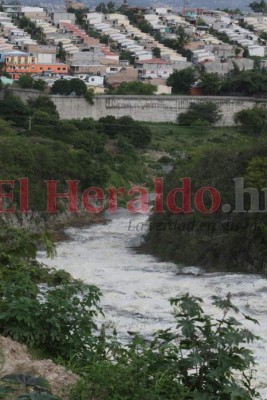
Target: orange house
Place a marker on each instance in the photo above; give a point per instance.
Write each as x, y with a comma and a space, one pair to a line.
56, 68
19, 64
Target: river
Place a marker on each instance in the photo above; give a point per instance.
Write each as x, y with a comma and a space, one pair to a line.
136, 287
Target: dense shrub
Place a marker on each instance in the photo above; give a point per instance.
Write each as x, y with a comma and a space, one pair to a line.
182, 81
253, 121
207, 112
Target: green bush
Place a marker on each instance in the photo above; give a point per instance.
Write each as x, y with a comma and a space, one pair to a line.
253, 121
57, 319
201, 358
134, 88
200, 114
182, 81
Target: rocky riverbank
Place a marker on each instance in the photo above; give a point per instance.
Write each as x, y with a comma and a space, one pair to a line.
55, 224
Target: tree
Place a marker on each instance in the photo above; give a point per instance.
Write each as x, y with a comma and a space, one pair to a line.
13, 109
61, 53
135, 88
111, 7
259, 7
200, 21
246, 82
39, 85
125, 127
25, 81
61, 86
45, 104
246, 53
200, 112
182, 37
78, 87
104, 39
253, 121
211, 83
127, 55
101, 8
145, 26
181, 81
156, 52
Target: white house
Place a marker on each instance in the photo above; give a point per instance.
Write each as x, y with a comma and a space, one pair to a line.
154, 68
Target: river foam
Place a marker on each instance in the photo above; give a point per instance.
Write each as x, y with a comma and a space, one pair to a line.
136, 287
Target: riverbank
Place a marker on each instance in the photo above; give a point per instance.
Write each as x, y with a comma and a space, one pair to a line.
55, 224
136, 287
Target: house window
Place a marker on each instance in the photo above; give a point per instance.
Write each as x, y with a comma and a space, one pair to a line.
92, 79
64, 69
41, 68
58, 69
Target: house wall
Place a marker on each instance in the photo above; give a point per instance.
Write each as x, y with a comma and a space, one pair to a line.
143, 108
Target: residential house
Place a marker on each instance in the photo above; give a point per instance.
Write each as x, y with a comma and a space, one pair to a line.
154, 68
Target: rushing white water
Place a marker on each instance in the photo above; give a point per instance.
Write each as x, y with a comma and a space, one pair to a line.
136, 287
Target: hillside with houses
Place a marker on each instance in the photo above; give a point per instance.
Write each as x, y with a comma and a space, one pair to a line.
106, 47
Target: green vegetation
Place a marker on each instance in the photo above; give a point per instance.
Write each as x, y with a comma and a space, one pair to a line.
225, 241
134, 88
247, 83
191, 361
137, 135
200, 113
156, 52
182, 81
74, 86
27, 82
198, 358
253, 121
211, 83
127, 55
58, 317
106, 8
259, 7
67, 87
32, 135
25, 387
31, 27
61, 53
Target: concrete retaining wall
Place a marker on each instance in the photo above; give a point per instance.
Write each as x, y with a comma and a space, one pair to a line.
142, 108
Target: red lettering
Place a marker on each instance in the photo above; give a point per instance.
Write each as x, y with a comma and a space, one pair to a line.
113, 198
24, 195
139, 205
185, 191
71, 195
6, 196
158, 182
87, 197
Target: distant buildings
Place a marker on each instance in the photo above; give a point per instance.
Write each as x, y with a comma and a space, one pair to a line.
117, 51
